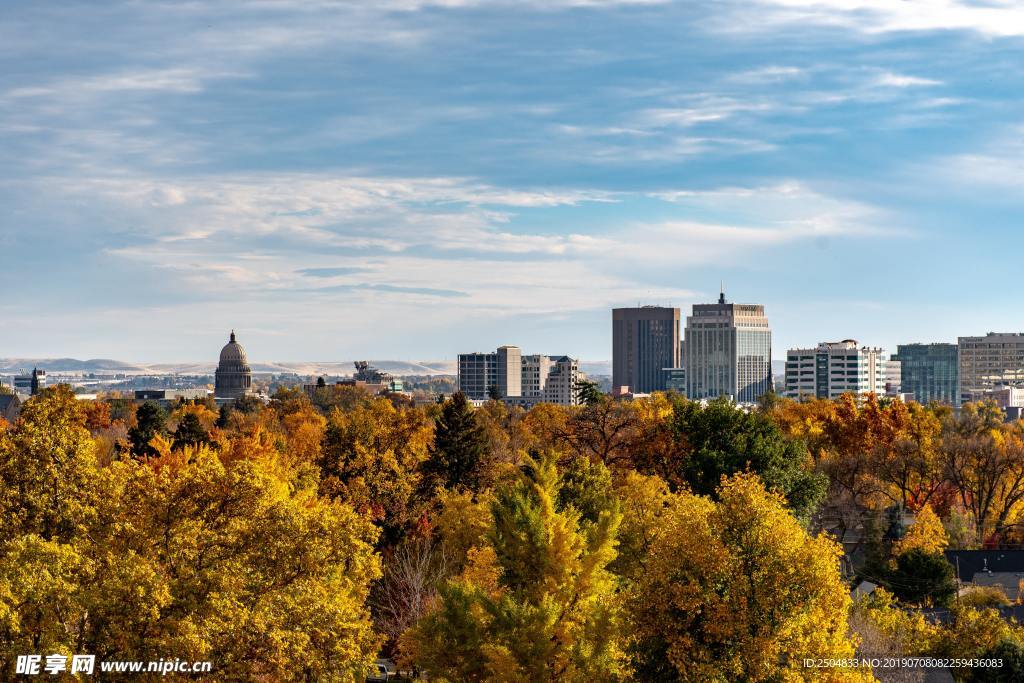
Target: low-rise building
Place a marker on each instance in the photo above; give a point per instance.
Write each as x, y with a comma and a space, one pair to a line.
10, 407
30, 382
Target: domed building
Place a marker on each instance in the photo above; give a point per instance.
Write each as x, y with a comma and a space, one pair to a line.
233, 378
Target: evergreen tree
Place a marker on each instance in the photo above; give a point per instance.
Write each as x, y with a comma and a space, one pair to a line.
587, 393
151, 420
494, 393
1010, 654
923, 577
535, 602
320, 383
190, 431
460, 444
224, 418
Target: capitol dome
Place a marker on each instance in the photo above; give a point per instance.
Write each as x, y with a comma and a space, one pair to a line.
234, 377
233, 352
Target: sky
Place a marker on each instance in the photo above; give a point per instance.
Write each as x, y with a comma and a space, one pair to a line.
412, 179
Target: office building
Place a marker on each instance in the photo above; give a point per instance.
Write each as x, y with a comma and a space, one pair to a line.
675, 380
550, 379
728, 351
835, 368
929, 372
520, 380
645, 340
985, 363
480, 374
893, 377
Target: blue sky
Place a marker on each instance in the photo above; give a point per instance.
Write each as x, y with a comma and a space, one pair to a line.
410, 179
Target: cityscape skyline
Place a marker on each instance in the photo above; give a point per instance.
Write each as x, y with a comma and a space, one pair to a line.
502, 172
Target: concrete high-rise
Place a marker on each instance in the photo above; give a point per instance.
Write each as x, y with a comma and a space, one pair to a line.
550, 379
502, 370
929, 372
728, 351
986, 363
835, 368
518, 379
645, 341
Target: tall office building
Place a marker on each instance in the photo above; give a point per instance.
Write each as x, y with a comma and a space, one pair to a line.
728, 351
645, 340
833, 369
929, 372
502, 369
986, 363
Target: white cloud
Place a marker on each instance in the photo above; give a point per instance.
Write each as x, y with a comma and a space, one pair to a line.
894, 80
997, 18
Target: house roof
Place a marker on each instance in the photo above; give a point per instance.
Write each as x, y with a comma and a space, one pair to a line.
10, 406
971, 562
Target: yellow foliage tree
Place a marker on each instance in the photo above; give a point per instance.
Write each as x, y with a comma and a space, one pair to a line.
738, 590
184, 554
371, 457
926, 533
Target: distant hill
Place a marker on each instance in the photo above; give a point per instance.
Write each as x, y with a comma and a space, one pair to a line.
13, 366
596, 367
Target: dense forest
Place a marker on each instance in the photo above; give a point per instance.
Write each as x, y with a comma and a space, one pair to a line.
656, 539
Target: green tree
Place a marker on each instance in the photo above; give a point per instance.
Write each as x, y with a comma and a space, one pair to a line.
494, 393
722, 440
922, 577
456, 458
536, 603
190, 431
587, 393
223, 416
151, 420
1011, 653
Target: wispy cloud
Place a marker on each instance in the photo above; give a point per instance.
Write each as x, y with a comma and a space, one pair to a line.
997, 18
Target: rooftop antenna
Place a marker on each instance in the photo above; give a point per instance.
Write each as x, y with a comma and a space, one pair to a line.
721, 292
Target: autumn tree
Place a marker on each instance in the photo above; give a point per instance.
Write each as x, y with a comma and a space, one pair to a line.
97, 416
185, 553
370, 457
646, 503
413, 572
457, 455
48, 474
926, 533
738, 590
606, 430
535, 603
986, 465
